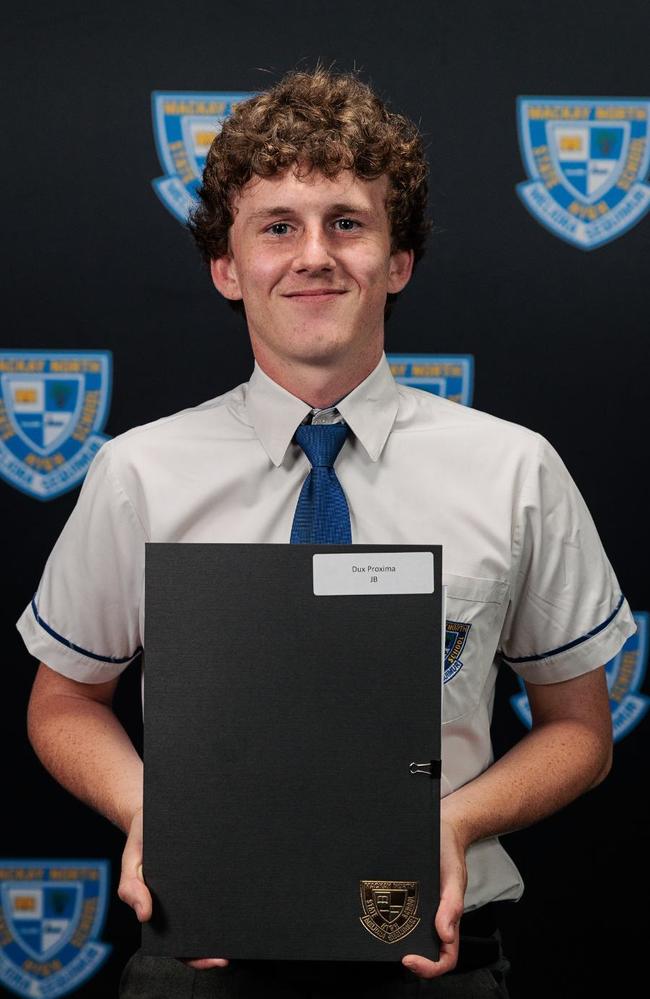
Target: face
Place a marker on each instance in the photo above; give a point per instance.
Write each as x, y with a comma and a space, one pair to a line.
311, 259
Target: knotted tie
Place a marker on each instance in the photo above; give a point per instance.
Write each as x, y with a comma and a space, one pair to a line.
322, 516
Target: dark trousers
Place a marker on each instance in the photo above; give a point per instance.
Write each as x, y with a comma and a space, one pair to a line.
480, 974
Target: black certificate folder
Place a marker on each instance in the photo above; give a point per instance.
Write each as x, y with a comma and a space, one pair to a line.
291, 748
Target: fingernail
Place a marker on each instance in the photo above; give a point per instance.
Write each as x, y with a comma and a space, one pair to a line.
409, 964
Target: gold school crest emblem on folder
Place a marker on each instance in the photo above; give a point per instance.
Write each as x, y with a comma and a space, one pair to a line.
390, 908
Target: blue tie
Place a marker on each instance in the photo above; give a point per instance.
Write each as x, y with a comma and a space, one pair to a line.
322, 516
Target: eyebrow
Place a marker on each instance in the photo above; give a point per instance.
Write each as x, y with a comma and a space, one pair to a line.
280, 210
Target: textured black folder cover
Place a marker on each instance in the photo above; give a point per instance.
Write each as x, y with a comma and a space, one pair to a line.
278, 732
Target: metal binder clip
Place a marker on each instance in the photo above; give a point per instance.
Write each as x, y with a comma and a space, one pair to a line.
421, 768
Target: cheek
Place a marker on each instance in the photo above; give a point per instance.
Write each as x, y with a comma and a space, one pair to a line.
370, 268
258, 275
374, 276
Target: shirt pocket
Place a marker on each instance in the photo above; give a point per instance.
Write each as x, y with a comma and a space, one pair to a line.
475, 610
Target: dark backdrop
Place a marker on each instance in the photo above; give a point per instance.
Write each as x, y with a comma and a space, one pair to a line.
94, 261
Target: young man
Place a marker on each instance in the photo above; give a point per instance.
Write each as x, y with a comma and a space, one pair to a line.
312, 217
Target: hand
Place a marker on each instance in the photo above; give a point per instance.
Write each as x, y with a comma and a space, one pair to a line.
132, 888
135, 893
453, 882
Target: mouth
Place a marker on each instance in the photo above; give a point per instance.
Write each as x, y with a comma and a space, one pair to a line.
316, 294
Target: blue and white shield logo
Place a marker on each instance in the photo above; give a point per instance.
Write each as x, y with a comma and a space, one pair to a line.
51, 915
53, 407
448, 375
456, 633
184, 126
587, 159
625, 674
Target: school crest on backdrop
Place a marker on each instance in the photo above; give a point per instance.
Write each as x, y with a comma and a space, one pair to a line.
52, 913
625, 675
184, 125
53, 406
447, 375
587, 159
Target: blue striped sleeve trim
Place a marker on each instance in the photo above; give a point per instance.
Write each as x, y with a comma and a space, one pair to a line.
77, 648
570, 645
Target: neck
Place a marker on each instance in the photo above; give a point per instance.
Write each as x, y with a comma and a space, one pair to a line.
320, 386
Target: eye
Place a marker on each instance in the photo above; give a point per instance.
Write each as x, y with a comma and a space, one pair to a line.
346, 225
278, 228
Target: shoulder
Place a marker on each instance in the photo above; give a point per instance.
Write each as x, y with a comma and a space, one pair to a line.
422, 412
196, 427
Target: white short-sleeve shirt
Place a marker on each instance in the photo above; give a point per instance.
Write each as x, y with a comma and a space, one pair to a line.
527, 579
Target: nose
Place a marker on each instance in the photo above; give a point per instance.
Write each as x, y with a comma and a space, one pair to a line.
313, 252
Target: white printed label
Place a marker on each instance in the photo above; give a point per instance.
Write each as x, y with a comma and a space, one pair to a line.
373, 573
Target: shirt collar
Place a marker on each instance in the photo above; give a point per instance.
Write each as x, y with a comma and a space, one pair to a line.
369, 410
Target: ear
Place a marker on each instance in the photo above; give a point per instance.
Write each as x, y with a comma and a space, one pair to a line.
224, 277
400, 269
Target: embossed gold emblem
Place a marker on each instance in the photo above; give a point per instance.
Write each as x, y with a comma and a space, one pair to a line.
390, 908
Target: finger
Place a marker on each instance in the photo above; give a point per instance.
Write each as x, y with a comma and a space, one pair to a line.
132, 888
448, 933
425, 968
132, 852
447, 919
203, 963
135, 893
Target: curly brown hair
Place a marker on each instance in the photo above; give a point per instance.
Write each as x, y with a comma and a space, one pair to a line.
318, 120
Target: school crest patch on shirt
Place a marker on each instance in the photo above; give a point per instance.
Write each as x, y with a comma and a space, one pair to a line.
52, 913
456, 633
53, 406
587, 160
184, 125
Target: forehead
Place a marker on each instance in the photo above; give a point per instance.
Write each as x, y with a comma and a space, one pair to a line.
311, 191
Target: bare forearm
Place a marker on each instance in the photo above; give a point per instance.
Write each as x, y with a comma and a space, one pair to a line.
550, 767
86, 749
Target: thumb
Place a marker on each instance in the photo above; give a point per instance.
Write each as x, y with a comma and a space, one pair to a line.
132, 888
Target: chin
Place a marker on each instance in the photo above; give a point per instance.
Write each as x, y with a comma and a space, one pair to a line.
307, 344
